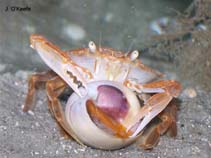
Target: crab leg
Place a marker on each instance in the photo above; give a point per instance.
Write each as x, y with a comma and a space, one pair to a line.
151, 135
165, 91
172, 111
53, 88
61, 86
167, 124
62, 131
35, 81
60, 63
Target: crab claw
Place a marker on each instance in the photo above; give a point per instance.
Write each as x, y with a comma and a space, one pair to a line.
60, 63
75, 80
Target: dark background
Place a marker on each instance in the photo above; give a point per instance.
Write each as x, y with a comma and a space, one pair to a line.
72, 23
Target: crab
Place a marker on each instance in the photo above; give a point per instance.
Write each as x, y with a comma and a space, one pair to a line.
116, 99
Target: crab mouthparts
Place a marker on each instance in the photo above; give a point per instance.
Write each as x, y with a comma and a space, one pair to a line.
112, 102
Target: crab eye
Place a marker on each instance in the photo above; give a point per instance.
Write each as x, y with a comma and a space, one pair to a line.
134, 55
92, 46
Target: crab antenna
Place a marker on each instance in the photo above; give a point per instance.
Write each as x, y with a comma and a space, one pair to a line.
100, 40
134, 55
130, 46
92, 47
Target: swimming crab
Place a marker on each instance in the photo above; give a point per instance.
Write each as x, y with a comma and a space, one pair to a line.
116, 99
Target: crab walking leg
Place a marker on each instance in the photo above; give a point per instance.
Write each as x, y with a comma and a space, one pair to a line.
152, 108
58, 92
165, 91
168, 86
61, 63
63, 133
151, 135
35, 81
172, 110
52, 86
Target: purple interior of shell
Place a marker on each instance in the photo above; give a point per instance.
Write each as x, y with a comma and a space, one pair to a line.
112, 101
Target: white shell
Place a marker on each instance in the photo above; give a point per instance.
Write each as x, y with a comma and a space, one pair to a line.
81, 123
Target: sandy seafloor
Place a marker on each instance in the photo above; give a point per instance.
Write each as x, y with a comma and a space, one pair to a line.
37, 135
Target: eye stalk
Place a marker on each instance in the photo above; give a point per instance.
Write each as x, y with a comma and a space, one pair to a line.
134, 55
92, 47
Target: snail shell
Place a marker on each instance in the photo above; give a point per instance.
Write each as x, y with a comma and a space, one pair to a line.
87, 130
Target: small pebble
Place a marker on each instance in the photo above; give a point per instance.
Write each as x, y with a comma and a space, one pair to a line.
3, 128
31, 112
37, 124
70, 147
82, 149
190, 92
63, 146
36, 153
75, 151
44, 152
16, 83
16, 124
195, 149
